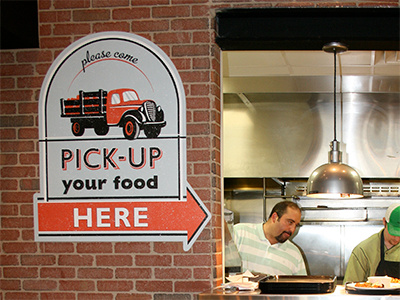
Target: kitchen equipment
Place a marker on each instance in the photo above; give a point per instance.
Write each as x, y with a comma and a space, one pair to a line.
286, 284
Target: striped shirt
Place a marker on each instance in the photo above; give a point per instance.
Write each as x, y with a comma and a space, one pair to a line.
258, 255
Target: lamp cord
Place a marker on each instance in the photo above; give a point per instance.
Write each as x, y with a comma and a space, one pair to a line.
334, 96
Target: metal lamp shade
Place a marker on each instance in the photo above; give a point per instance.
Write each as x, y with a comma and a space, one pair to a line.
335, 180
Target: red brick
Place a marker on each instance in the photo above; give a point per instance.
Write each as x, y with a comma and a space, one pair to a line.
16, 121
192, 260
26, 210
15, 171
65, 247
195, 76
182, 63
77, 285
131, 13
191, 50
14, 222
29, 82
136, 296
38, 260
20, 272
39, 285
94, 247
149, 26
19, 247
202, 247
111, 26
9, 285
200, 10
160, 247
175, 273
150, 2
17, 197
201, 63
28, 235
154, 286
202, 168
42, 69
29, 184
153, 260
9, 260
199, 155
133, 273
172, 38
114, 260
7, 83
62, 4
114, 285
56, 272
9, 235
107, 3
56, 296
28, 108
201, 116
75, 260
202, 273
199, 90
54, 16
7, 57
14, 70
29, 158
95, 296
192, 286
71, 28
45, 30
8, 210
201, 142
15, 95
99, 273
34, 56
8, 109
8, 134
59, 42
134, 247
22, 295
190, 24
196, 129
171, 11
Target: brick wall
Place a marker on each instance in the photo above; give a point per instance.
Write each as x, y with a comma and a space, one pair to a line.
146, 270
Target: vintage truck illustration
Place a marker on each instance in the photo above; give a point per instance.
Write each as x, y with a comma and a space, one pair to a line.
120, 107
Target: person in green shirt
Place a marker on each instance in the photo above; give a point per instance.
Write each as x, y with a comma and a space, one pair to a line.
380, 253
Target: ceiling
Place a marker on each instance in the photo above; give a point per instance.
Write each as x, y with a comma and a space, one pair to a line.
309, 71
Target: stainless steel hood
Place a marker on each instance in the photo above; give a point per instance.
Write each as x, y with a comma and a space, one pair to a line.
278, 112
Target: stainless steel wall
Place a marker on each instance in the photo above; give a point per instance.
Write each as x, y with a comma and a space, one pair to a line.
288, 134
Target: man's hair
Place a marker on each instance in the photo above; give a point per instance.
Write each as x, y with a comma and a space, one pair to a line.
281, 207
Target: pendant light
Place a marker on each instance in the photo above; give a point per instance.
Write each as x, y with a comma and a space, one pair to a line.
334, 179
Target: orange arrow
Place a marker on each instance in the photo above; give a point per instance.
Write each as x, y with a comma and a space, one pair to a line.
138, 221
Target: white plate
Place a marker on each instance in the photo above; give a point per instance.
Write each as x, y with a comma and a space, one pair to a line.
353, 285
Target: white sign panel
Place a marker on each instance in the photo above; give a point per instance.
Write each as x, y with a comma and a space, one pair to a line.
112, 137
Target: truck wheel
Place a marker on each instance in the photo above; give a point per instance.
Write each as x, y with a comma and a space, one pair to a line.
77, 129
101, 129
130, 128
152, 131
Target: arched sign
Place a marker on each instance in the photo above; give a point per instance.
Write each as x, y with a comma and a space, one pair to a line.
112, 138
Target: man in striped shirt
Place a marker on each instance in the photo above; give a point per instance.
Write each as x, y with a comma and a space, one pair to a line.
265, 248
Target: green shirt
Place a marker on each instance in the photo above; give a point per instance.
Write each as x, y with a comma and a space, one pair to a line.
365, 258
258, 255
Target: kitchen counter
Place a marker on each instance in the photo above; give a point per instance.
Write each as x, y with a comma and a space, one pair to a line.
339, 293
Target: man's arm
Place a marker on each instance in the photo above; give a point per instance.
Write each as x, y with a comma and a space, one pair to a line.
357, 268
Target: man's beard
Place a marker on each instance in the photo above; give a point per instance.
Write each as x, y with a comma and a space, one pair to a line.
282, 239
